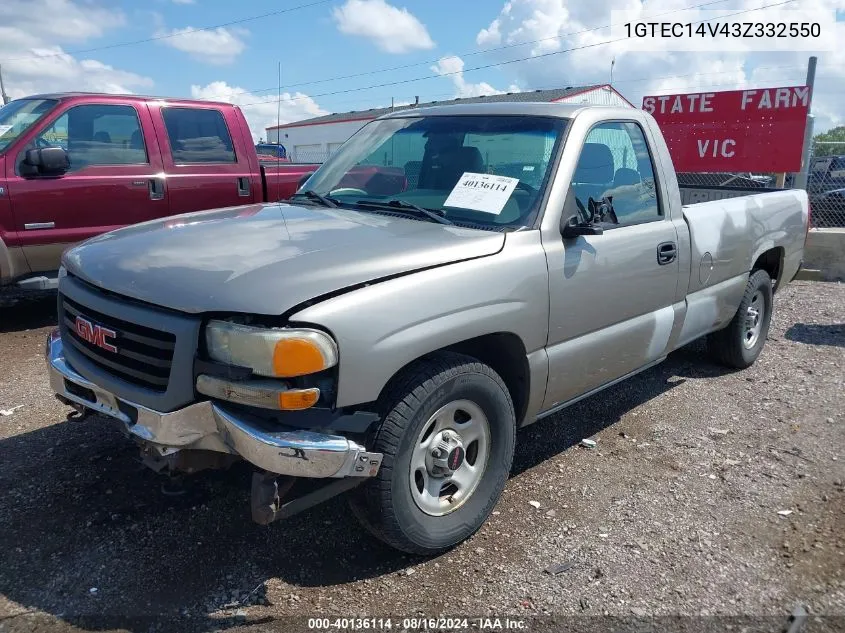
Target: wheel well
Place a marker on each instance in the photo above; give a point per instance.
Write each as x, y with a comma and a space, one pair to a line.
771, 261
505, 354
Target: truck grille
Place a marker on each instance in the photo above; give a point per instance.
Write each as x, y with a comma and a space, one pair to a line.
137, 354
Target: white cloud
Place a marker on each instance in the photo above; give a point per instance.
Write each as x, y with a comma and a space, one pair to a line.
218, 47
260, 110
490, 36
32, 38
561, 25
453, 67
391, 29
184, 1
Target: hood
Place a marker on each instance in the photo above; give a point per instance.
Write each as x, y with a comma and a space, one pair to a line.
266, 258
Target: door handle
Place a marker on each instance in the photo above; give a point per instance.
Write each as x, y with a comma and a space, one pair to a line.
666, 253
243, 186
156, 188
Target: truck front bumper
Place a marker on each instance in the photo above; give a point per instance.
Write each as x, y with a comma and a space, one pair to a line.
213, 427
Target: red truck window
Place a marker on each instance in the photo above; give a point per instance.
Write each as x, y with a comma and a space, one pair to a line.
96, 135
198, 136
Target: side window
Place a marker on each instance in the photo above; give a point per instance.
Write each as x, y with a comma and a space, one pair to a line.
198, 136
97, 135
615, 163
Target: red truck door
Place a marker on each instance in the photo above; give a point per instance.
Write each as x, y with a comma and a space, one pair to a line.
114, 178
206, 157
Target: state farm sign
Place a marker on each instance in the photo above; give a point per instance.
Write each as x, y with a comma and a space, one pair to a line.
739, 130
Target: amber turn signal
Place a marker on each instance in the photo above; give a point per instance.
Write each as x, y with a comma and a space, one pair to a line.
298, 399
299, 357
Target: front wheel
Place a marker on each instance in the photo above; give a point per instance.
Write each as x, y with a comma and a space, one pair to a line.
447, 437
739, 344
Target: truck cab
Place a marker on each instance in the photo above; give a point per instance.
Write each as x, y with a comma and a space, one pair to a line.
75, 165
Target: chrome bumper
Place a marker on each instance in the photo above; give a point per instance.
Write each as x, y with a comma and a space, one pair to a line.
210, 426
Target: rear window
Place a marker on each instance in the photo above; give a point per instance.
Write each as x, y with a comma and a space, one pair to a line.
198, 136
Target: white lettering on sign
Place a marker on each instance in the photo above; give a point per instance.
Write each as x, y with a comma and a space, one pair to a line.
677, 107
717, 147
767, 99
698, 102
481, 192
803, 94
776, 98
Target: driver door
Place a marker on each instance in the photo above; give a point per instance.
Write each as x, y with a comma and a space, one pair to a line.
112, 164
611, 295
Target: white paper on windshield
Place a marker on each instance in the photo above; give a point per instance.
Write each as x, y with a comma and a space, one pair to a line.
481, 192
4, 129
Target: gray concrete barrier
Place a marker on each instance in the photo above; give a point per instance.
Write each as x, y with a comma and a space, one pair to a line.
824, 255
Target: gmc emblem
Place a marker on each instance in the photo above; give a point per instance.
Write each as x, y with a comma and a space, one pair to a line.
95, 334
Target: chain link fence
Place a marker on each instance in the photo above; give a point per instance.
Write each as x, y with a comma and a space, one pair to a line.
826, 184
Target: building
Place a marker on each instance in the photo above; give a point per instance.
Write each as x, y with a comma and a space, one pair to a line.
313, 140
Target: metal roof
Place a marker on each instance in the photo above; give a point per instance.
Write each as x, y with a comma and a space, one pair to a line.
541, 96
500, 108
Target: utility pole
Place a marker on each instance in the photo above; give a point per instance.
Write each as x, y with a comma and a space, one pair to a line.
800, 179
612, 63
3, 96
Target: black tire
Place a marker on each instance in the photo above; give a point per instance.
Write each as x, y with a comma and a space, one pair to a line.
727, 346
384, 504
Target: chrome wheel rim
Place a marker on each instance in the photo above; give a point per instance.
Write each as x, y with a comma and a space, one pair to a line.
754, 315
449, 457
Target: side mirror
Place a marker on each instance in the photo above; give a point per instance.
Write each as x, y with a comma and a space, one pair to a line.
47, 161
573, 227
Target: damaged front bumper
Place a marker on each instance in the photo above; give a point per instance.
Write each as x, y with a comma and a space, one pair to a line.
210, 426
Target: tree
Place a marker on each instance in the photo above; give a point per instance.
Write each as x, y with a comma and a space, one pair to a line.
836, 136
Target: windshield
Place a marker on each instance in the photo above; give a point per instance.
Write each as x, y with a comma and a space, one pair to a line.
18, 116
487, 170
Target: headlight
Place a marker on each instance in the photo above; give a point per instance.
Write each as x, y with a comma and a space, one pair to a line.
62, 272
278, 353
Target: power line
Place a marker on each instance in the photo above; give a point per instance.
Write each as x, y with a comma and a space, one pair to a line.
464, 54
494, 65
170, 35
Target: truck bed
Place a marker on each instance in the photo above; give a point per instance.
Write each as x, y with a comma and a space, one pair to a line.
727, 236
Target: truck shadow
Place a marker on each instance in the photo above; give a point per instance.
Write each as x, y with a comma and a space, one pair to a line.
816, 334
80, 512
29, 313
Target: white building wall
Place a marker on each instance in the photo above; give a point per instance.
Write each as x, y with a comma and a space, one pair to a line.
598, 96
314, 143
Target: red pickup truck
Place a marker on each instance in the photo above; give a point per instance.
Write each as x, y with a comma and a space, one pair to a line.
76, 165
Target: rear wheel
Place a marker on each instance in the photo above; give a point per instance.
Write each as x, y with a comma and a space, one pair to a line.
739, 344
447, 437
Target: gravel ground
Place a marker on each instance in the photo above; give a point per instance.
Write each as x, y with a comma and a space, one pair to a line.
709, 493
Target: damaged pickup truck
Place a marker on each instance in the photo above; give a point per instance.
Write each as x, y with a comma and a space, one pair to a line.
389, 338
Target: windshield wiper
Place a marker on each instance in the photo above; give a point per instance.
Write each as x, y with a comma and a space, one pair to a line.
313, 195
406, 206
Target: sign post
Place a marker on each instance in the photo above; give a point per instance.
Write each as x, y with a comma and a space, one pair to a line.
800, 179
759, 130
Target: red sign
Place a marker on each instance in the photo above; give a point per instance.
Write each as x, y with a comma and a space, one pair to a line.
759, 130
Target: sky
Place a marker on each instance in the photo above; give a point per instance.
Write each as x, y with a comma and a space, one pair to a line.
344, 55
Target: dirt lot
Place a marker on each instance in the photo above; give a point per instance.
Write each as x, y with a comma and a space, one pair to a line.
676, 511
